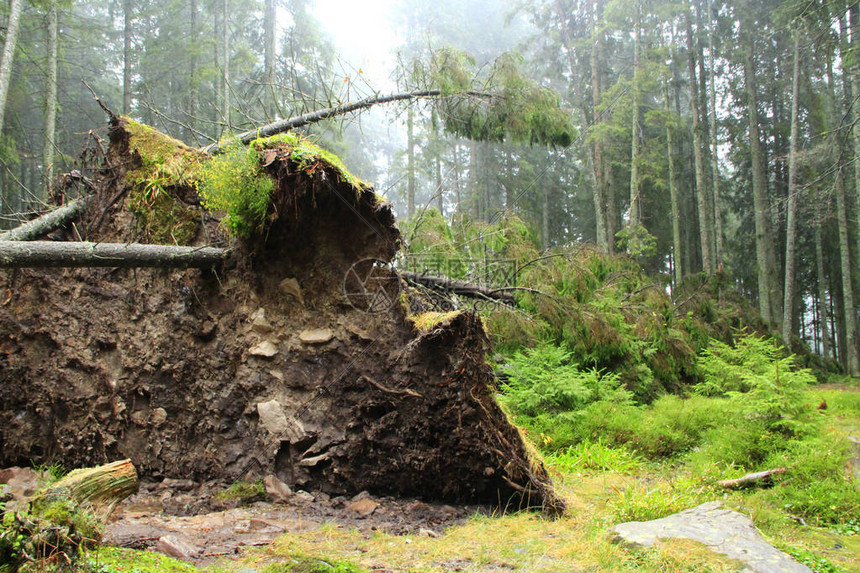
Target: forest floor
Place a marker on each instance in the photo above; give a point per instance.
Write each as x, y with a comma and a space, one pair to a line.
312, 532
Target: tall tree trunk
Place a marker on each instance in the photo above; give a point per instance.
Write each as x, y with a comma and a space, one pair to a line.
791, 216
852, 361
193, 95
126, 56
270, 46
855, 116
705, 232
636, 147
761, 204
8, 55
673, 191
544, 214
822, 285
602, 209
474, 195
224, 45
715, 163
410, 162
50, 99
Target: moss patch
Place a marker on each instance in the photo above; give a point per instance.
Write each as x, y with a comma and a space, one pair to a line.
116, 559
243, 492
166, 166
427, 321
309, 157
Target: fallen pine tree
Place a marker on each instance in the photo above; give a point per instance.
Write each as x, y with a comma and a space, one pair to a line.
262, 366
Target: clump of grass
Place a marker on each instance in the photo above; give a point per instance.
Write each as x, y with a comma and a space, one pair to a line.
594, 456
640, 502
243, 492
234, 182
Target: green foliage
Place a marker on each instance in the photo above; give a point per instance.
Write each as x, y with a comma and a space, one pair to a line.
636, 241
51, 531
771, 389
235, 183
243, 492
594, 456
121, 560
544, 379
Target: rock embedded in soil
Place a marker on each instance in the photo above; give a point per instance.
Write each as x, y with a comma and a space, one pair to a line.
265, 349
316, 336
172, 546
278, 491
722, 530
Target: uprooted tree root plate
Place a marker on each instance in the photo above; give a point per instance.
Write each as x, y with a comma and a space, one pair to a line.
260, 367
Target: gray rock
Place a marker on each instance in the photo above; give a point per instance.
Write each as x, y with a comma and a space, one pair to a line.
722, 530
316, 336
278, 491
265, 349
172, 546
272, 417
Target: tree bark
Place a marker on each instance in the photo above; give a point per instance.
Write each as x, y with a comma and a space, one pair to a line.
193, 96
410, 162
715, 163
698, 156
791, 216
636, 146
763, 232
99, 489
751, 479
115, 255
126, 56
8, 55
224, 49
822, 288
673, 190
50, 100
321, 114
46, 223
458, 287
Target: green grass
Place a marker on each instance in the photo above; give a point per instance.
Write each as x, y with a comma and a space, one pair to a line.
119, 560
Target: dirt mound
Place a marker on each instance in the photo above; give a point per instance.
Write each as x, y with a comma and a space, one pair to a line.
263, 366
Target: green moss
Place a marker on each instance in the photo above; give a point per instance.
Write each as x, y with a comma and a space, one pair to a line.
298, 563
116, 560
427, 321
309, 157
166, 165
244, 492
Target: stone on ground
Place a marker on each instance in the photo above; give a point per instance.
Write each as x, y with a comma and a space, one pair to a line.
721, 530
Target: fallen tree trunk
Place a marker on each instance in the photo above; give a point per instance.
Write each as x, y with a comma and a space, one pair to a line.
120, 255
750, 479
46, 223
319, 115
461, 288
98, 489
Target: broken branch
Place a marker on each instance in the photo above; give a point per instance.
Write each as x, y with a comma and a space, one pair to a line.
750, 479
46, 223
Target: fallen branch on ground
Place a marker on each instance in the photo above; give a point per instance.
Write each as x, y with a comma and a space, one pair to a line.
751, 479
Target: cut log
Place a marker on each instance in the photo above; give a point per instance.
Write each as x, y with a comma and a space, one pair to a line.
46, 223
99, 489
461, 288
120, 255
749, 480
